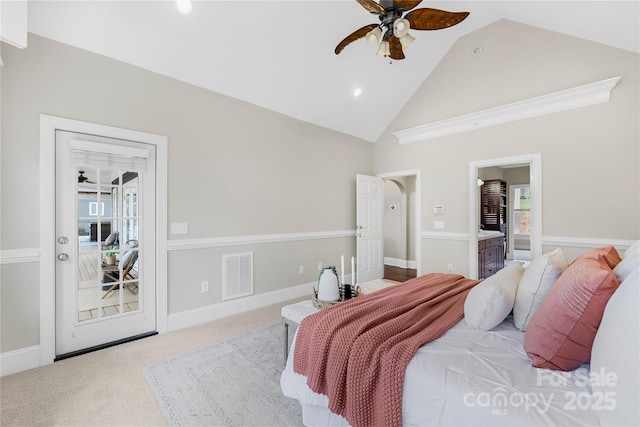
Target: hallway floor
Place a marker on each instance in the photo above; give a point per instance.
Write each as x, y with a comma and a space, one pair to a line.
399, 274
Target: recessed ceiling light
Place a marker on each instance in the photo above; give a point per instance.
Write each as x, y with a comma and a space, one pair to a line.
184, 6
357, 92
477, 51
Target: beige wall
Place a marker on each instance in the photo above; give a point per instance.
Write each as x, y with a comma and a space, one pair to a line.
234, 170
395, 222
590, 155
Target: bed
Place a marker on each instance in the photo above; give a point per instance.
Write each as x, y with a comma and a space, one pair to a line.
475, 376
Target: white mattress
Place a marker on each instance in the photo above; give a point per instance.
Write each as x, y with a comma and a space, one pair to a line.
473, 378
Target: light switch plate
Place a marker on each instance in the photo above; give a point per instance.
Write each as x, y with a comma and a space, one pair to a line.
179, 228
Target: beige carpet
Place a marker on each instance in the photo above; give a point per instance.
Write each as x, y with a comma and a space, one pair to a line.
107, 387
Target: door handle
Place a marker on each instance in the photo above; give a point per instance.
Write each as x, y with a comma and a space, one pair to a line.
63, 257
63, 240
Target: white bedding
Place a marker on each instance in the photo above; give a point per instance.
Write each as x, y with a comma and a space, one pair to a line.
473, 378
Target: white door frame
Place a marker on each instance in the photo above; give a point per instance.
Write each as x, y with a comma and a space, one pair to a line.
418, 210
48, 127
534, 161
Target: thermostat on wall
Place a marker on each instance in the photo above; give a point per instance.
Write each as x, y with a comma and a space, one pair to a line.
438, 210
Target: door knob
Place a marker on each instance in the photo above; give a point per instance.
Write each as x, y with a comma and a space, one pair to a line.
63, 257
63, 240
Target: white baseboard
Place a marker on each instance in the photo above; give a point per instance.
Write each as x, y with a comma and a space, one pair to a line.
197, 316
19, 360
402, 263
29, 358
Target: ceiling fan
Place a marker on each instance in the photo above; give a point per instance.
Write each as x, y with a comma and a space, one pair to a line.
83, 179
391, 35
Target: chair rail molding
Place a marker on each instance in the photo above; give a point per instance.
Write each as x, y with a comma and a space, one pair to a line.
568, 99
219, 242
17, 256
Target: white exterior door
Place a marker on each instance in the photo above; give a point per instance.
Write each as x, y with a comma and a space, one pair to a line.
369, 231
105, 240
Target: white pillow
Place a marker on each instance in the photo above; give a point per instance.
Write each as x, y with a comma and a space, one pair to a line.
628, 265
536, 281
490, 301
616, 351
633, 250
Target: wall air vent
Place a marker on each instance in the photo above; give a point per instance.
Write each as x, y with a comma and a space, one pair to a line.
237, 275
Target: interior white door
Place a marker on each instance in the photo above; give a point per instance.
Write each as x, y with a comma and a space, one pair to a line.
105, 290
369, 231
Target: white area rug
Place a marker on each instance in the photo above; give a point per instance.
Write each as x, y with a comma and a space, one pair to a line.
234, 383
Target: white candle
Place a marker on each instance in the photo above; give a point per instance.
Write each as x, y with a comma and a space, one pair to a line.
353, 272
342, 267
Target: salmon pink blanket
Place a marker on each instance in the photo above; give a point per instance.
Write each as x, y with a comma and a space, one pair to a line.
356, 352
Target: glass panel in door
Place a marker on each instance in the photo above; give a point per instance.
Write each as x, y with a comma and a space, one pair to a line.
108, 243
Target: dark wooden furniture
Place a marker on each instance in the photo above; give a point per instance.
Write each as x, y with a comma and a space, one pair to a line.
490, 256
493, 203
105, 230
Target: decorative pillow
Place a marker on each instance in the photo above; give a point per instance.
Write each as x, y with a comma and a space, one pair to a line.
628, 265
536, 281
609, 253
112, 239
490, 301
615, 354
562, 331
634, 249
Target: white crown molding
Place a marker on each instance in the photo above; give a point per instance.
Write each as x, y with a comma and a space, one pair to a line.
568, 99
219, 242
17, 256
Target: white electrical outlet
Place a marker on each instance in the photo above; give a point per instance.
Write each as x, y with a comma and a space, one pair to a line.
301, 269
205, 286
449, 268
438, 225
319, 266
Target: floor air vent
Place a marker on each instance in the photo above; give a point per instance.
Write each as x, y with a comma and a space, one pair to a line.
237, 275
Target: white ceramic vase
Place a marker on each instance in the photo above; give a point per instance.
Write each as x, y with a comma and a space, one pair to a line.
328, 285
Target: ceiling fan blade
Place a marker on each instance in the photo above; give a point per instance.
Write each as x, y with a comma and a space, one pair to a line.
357, 34
434, 19
395, 48
371, 6
407, 4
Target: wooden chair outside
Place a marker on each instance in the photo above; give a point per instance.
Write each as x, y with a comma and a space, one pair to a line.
111, 273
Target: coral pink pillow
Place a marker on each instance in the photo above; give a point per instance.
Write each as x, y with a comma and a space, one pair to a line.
561, 333
609, 253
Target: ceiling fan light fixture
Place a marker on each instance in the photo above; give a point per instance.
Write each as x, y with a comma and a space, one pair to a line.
383, 49
400, 27
374, 36
406, 40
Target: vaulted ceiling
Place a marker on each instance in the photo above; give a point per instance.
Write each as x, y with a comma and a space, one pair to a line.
280, 54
